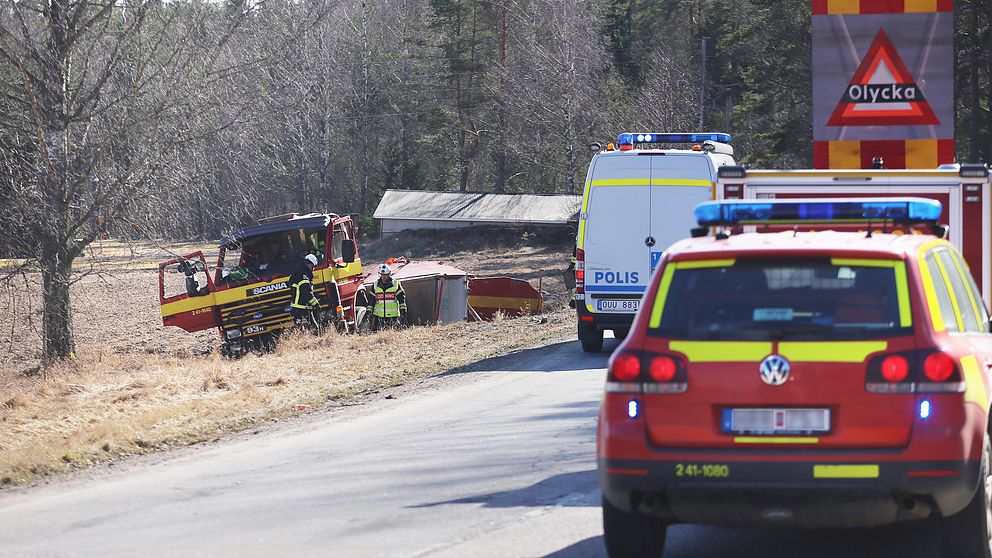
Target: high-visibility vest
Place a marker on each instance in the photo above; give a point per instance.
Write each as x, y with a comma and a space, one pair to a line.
386, 305
298, 291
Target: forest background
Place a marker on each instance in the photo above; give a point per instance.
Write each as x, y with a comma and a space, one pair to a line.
323, 105
186, 119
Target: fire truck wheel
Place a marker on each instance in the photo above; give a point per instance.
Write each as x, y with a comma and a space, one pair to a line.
231, 350
363, 321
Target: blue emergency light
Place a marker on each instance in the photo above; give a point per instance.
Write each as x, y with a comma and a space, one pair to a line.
861, 210
637, 138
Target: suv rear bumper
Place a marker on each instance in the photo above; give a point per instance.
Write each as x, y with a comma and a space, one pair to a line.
795, 494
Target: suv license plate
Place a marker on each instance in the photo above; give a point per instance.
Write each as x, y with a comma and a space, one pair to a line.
776, 421
616, 305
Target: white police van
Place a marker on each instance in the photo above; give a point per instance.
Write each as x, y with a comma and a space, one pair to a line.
637, 201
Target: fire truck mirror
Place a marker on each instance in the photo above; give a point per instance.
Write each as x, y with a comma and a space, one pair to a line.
348, 250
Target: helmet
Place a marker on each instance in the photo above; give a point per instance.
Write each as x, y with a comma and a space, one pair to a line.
384, 270
311, 258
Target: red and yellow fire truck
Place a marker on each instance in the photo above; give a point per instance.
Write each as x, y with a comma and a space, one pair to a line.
247, 295
962, 190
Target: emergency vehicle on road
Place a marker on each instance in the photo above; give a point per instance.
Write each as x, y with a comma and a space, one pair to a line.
636, 202
962, 190
247, 298
803, 379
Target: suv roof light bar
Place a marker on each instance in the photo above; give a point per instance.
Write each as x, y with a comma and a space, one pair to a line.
635, 138
798, 211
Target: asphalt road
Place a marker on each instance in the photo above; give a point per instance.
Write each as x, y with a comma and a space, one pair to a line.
496, 462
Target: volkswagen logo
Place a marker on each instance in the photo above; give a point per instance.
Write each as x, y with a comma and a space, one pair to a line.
774, 370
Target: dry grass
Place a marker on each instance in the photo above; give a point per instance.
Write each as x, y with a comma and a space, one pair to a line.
137, 386
106, 405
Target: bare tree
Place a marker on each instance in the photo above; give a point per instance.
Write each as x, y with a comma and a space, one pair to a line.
108, 88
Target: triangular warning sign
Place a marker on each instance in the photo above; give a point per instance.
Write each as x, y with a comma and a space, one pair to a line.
882, 92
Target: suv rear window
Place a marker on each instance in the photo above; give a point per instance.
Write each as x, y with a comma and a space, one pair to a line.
803, 299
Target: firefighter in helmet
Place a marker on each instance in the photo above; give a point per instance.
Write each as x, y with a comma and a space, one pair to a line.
389, 301
303, 304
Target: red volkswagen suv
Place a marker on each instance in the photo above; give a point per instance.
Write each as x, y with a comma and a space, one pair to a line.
837, 378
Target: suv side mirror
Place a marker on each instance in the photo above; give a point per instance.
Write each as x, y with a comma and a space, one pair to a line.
348, 250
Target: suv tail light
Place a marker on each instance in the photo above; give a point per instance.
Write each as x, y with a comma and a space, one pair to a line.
921, 371
895, 368
626, 367
938, 367
644, 372
580, 272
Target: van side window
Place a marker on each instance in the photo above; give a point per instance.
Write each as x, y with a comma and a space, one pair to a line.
971, 313
945, 306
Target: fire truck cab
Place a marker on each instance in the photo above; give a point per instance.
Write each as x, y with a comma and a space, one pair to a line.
963, 191
247, 295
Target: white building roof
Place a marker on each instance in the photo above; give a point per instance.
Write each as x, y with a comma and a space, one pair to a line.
478, 207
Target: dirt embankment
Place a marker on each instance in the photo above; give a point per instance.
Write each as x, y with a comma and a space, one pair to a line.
137, 386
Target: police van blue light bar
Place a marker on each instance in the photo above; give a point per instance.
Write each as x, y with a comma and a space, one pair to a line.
860, 210
637, 138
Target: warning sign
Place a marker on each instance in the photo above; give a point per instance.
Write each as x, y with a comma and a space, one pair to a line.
882, 92
883, 83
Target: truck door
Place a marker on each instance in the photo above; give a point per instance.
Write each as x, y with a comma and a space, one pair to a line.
187, 293
617, 261
678, 184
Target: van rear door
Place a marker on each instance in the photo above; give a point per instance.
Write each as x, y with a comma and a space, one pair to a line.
678, 183
617, 261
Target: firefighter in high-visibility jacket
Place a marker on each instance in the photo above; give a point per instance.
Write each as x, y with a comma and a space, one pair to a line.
303, 304
388, 306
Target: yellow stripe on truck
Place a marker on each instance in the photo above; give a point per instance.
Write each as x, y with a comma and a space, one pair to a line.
722, 351
187, 305
845, 471
830, 351
227, 296
776, 440
504, 302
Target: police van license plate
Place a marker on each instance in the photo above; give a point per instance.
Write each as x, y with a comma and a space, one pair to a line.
776, 421
616, 305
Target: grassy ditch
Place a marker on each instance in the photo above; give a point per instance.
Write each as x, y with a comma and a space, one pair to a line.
106, 405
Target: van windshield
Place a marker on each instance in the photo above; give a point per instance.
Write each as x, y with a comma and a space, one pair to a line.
795, 299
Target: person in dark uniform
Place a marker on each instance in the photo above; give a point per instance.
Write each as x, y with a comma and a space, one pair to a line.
303, 304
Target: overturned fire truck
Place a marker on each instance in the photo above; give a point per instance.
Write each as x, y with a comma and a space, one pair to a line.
247, 295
